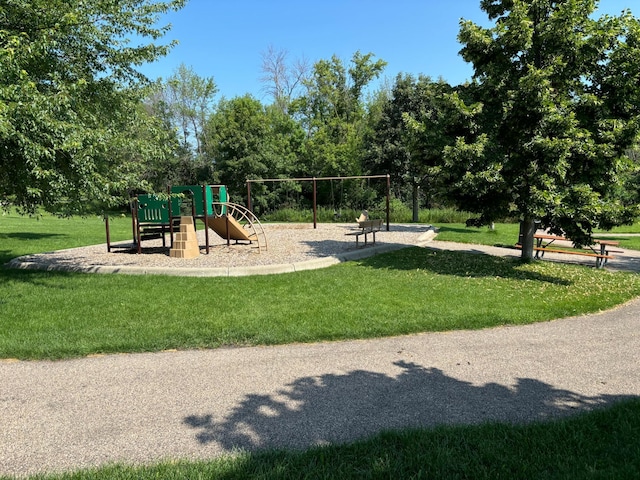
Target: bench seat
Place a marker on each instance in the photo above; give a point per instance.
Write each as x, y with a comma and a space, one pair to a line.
572, 252
366, 227
600, 258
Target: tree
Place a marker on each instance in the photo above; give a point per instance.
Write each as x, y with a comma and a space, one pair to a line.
280, 79
187, 100
183, 103
560, 93
418, 120
249, 140
332, 113
70, 96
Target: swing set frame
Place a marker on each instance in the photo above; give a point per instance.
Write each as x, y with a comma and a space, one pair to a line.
315, 181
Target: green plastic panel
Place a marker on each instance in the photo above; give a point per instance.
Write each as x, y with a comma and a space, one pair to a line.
152, 209
195, 192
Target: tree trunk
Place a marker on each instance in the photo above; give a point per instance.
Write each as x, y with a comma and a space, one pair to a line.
416, 202
527, 229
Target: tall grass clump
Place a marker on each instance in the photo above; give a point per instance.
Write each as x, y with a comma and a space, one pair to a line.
442, 215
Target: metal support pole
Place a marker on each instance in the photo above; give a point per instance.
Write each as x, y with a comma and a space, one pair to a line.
170, 214
388, 195
205, 204
137, 220
315, 207
133, 219
106, 225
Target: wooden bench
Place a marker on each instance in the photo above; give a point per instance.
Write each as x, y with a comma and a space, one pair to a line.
367, 227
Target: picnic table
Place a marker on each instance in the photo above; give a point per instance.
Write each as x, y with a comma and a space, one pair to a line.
600, 249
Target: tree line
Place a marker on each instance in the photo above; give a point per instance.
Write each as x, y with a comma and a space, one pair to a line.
546, 131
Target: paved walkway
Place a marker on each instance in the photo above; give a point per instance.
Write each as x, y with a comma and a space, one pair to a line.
138, 408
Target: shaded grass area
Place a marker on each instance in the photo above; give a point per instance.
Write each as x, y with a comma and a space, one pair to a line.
24, 235
504, 234
599, 444
401, 292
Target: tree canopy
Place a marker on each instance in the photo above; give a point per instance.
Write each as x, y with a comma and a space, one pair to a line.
547, 130
559, 92
418, 120
70, 116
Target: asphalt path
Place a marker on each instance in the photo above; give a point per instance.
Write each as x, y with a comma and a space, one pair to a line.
141, 408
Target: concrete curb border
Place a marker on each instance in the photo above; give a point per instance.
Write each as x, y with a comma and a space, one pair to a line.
224, 271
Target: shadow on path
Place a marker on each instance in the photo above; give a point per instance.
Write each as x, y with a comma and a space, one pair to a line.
338, 408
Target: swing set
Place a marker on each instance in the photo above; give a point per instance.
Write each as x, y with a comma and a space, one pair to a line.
315, 181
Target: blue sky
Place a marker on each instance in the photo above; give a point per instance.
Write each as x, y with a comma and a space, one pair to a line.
225, 39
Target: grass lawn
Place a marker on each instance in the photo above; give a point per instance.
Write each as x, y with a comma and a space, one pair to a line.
61, 315
58, 315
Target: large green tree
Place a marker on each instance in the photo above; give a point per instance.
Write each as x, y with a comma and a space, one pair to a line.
70, 94
561, 97
186, 100
332, 112
250, 141
183, 104
418, 120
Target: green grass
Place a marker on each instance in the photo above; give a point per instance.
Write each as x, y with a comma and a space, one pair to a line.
78, 314
58, 315
504, 234
635, 228
628, 243
24, 235
598, 445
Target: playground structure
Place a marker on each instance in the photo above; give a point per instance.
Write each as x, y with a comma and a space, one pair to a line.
153, 216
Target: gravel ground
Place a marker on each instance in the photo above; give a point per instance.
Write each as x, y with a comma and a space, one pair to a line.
285, 244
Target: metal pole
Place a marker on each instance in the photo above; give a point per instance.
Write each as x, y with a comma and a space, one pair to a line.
106, 225
133, 219
137, 220
205, 205
226, 219
249, 194
388, 195
170, 214
315, 208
